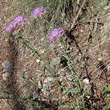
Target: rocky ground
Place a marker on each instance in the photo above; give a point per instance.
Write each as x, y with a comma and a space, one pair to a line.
20, 71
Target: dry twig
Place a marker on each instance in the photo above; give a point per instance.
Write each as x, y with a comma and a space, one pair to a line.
78, 14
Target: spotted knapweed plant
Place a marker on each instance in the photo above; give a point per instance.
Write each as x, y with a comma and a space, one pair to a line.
19, 20
38, 11
56, 33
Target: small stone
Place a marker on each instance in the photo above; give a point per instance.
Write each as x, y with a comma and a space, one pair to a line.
5, 76
62, 69
6, 40
65, 98
39, 84
88, 96
86, 81
59, 44
38, 60
42, 39
71, 48
106, 7
108, 68
6, 64
81, 30
60, 79
49, 79
42, 51
4, 17
47, 82
99, 59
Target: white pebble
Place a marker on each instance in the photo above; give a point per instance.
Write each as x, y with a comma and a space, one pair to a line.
6, 40
86, 81
99, 59
42, 39
5, 76
81, 30
88, 96
42, 51
49, 79
38, 60
108, 67
39, 84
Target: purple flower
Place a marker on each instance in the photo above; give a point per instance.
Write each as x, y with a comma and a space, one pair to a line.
57, 32
10, 28
19, 20
38, 11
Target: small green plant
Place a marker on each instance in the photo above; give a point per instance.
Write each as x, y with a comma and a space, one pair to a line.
107, 90
51, 15
54, 17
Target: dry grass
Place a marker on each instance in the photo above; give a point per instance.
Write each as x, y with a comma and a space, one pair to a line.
90, 44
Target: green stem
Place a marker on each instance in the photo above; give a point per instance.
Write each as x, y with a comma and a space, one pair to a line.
22, 99
28, 45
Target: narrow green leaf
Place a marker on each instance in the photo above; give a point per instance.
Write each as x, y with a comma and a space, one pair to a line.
108, 96
107, 107
107, 89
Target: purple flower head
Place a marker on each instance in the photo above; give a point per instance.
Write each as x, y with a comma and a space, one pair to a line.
19, 20
38, 11
10, 28
57, 32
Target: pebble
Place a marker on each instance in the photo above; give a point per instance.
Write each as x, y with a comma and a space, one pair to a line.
6, 40
86, 81
49, 79
81, 30
42, 39
39, 84
42, 51
60, 79
108, 68
88, 96
47, 82
38, 60
6, 64
5, 76
106, 7
99, 59
65, 98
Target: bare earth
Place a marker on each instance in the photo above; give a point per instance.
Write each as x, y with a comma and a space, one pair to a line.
91, 40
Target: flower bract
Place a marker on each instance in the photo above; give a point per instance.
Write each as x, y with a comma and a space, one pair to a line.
56, 33
19, 20
38, 11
